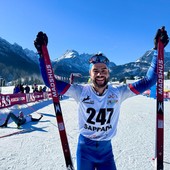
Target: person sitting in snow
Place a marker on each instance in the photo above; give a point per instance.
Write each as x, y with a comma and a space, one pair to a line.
99, 106
21, 119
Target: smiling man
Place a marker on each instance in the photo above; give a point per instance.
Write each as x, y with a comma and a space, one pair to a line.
98, 107
99, 72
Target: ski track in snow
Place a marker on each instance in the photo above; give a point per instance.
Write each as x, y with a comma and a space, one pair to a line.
40, 149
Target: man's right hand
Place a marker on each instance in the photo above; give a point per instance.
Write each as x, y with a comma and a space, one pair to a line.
40, 40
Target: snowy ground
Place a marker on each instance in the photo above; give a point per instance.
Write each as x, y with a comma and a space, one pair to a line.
39, 148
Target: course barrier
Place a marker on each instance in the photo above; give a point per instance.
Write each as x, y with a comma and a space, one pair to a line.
8, 100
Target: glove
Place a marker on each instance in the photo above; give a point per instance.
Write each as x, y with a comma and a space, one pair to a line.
40, 40
162, 34
164, 38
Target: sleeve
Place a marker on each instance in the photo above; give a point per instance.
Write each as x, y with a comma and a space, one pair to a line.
149, 80
62, 87
124, 92
75, 91
35, 119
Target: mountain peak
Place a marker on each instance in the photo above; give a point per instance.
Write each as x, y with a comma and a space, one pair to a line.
69, 54
16, 62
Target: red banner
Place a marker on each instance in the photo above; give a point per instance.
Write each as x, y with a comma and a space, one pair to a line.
8, 100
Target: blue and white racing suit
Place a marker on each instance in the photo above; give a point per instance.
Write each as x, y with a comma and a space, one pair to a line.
98, 116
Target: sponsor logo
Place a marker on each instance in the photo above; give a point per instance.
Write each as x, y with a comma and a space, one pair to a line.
97, 129
51, 80
112, 99
109, 102
88, 100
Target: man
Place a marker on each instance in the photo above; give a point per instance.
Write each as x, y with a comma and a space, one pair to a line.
98, 108
27, 89
162, 34
20, 120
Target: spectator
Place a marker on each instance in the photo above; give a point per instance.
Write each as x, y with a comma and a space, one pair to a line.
35, 88
27, 89
16, 89
44, 89
40, 89
21, 88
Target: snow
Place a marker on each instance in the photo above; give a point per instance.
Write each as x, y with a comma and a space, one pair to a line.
40, 147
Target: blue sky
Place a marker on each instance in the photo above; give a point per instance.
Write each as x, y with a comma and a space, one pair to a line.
122, 29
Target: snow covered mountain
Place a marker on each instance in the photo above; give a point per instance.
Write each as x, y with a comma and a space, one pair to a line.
26, 54
72, 62
16, 62
139, 67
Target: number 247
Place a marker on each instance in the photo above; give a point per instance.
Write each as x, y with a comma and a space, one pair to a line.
101, 115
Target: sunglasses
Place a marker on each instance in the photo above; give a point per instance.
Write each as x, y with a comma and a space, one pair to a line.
99, 58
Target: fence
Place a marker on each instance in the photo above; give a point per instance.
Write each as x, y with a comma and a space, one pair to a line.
8, 100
